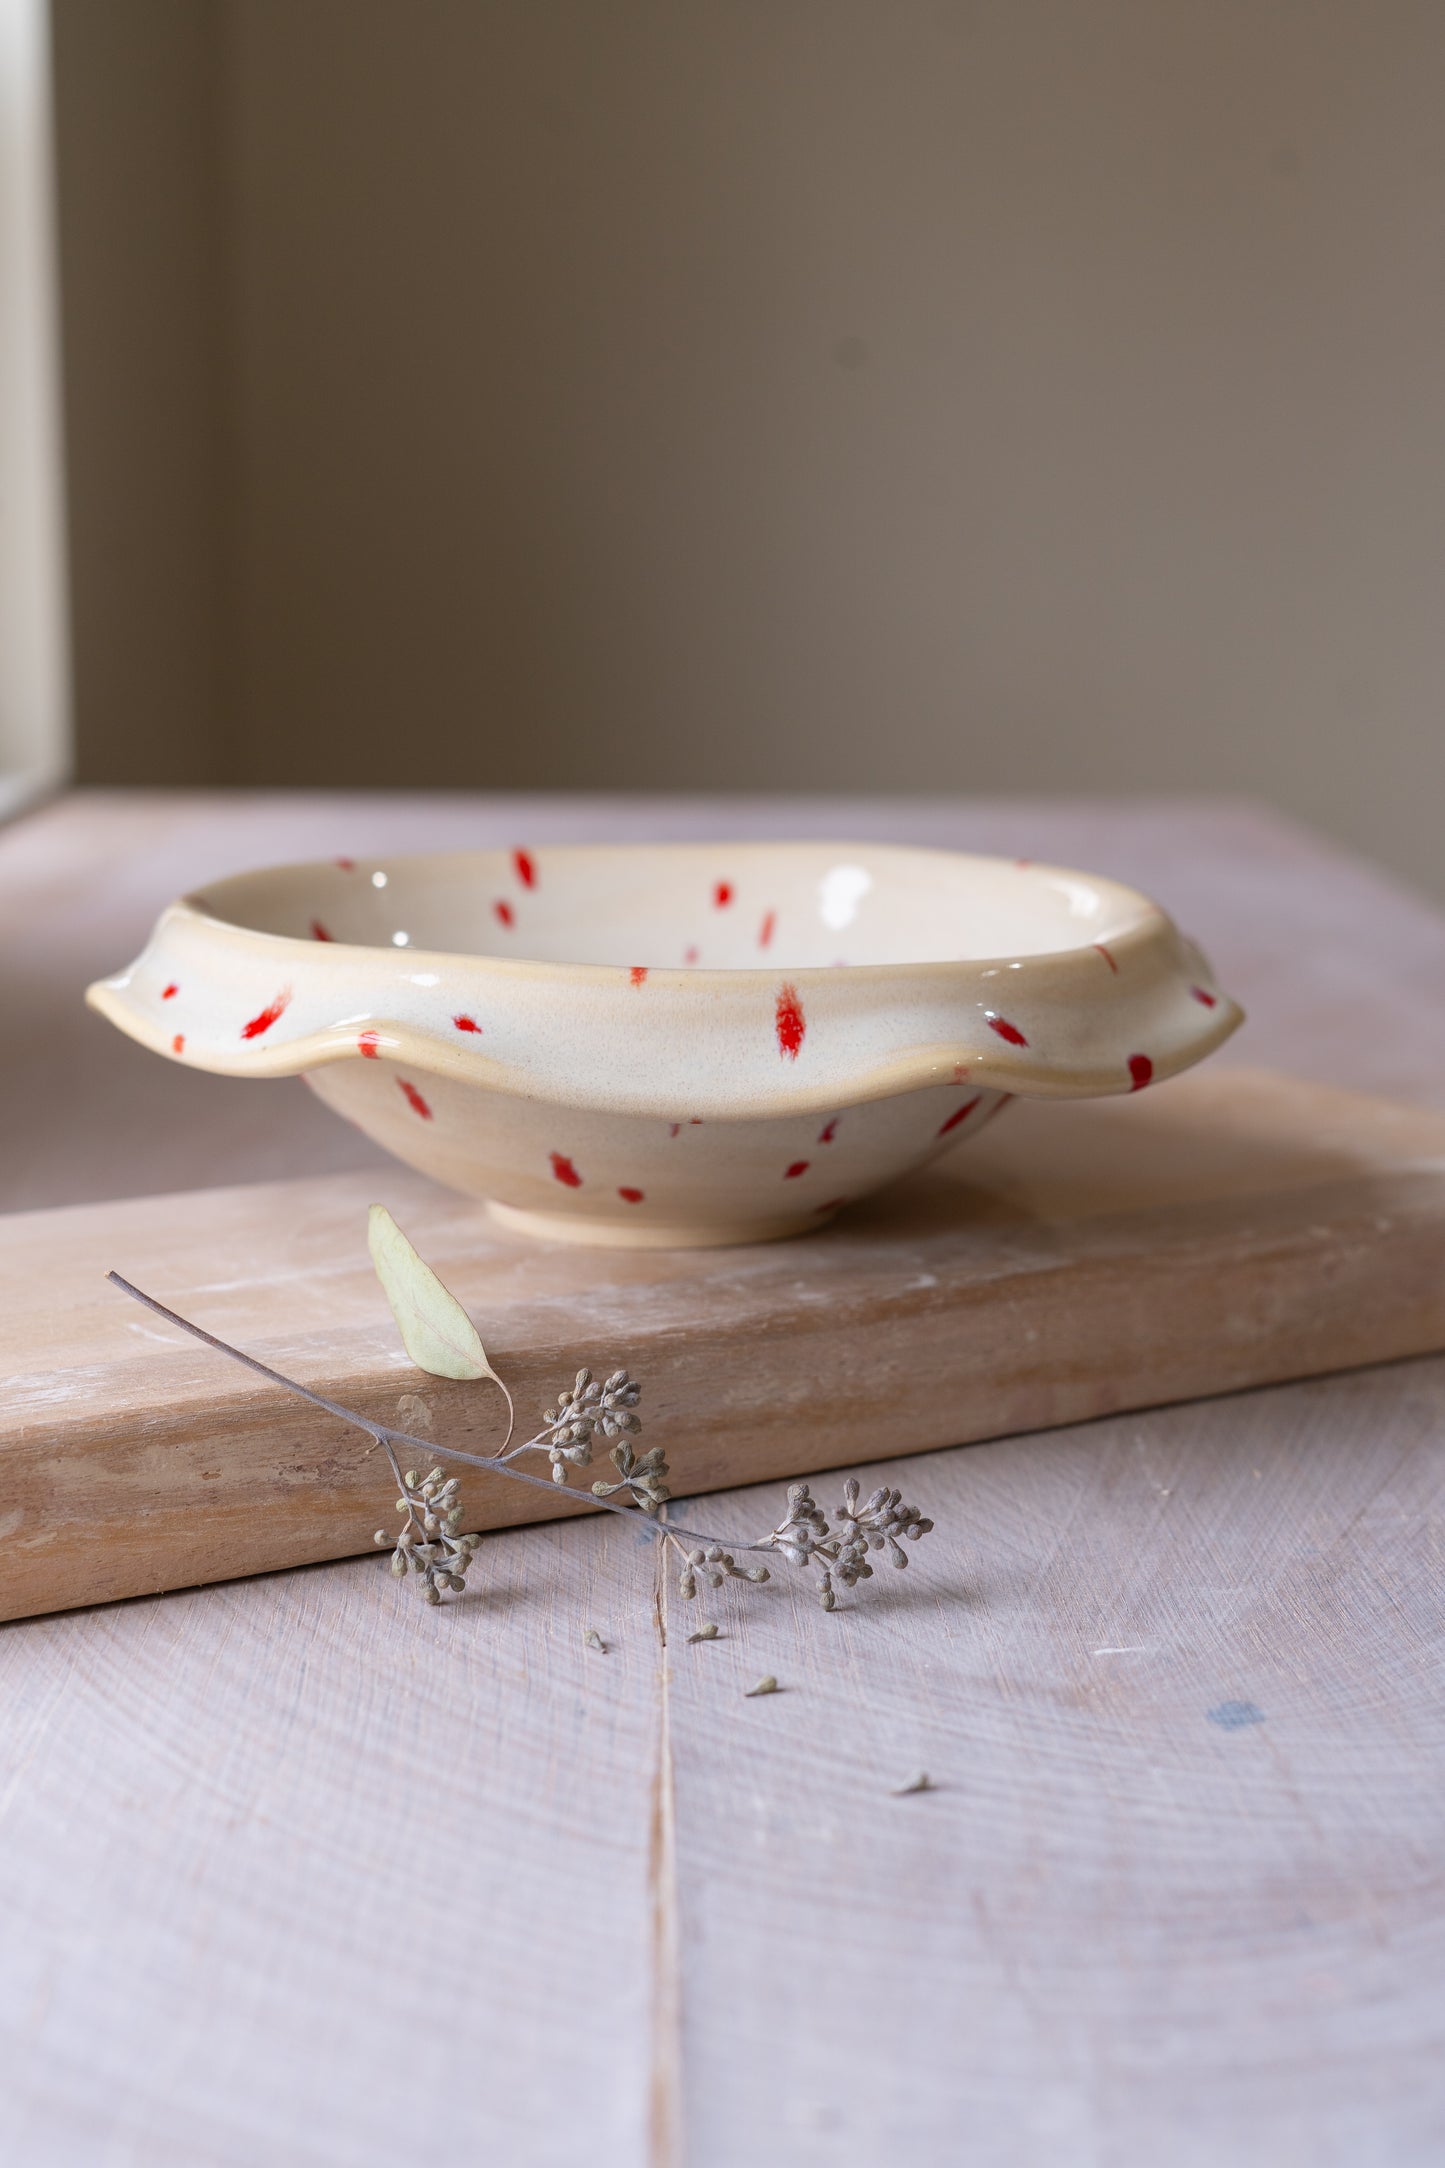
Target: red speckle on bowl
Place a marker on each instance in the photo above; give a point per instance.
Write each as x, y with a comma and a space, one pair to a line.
958, 1115
564, 1171
168, 993
414, 1098
1209, 1000
318, 931
722, 894
689, 955
834, 1204
370, 1044
466, 1023
503, 911
790, 1023
526, 867
178, 1044
1141, 1069
638, 974
347, 865
1107, 957
630, 1196
266, 1017
765, 931
826, 1136
1005, 1029
799, 1166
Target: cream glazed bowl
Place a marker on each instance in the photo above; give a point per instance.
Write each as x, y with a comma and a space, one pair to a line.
673, 1045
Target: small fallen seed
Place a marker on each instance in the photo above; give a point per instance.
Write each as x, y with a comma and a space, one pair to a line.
704, 1633
917, 1783
594, 1640
769, 1685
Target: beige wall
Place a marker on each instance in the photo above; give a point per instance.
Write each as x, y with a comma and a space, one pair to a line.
139, 154
1011, 395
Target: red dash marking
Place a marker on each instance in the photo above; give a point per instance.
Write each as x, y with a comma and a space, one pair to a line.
834, 1204
799, 1166
1141, 1069
414, 1099
266, 1017
1005, 1029
466, 1023
722, 895
689, 956
638, 974
630, 1196
1107, 957
318, 931
958, 1115
503, 911
789, 1022
765, 931
564, 1170
997, 1108
347, 865
960, 1072
674, 1129
826, 1136
178, 1044
1023, 861
370, 1044
526, 867
694, 1121
168, 993
1210, 1000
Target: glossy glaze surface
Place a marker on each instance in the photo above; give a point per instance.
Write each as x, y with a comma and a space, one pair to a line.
674, 1044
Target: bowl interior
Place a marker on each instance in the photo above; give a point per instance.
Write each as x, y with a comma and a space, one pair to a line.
720, 907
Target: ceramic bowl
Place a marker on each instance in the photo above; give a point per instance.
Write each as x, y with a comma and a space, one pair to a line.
673, 1044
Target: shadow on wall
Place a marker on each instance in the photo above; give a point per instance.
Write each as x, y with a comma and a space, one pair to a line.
964, 397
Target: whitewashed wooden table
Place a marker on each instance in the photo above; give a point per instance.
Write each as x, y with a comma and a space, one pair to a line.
293, 1871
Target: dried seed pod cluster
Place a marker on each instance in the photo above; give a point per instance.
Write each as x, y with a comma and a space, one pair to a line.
642, 1480
711, 1563
805, 1536
584, 1408
428, 1544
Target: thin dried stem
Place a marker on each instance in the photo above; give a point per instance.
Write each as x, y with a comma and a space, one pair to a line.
385, 1436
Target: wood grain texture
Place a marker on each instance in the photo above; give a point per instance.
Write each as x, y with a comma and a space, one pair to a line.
697, 1928
1120, 1930
300, 1873
1224, 1231
1176, 1898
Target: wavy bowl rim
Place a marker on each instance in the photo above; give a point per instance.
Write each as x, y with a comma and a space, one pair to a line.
930, 1061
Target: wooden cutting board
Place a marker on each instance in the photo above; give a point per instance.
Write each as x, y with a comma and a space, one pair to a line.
1228, 1230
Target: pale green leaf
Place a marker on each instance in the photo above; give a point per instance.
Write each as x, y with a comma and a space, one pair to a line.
435, 1330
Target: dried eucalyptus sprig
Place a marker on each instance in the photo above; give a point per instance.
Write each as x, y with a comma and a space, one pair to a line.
441, 1339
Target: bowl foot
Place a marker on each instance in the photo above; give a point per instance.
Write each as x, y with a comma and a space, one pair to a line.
632, 1234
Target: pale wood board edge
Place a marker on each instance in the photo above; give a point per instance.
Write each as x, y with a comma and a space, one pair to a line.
173, 1502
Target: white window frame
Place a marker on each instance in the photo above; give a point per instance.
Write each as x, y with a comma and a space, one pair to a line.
35, 737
